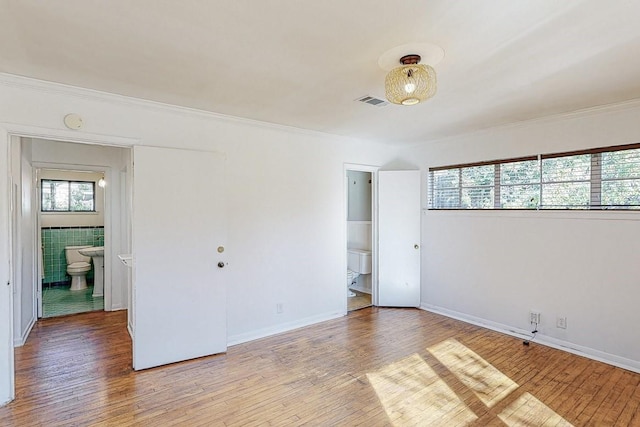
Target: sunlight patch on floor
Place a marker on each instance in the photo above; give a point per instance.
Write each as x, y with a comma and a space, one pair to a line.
529, 411
487, 383
413, 394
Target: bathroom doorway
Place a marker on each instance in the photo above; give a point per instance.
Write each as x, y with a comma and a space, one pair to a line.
27, 150
94, 177
70, 209
360, 245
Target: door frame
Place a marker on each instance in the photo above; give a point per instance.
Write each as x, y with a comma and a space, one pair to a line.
374, 225
7, 132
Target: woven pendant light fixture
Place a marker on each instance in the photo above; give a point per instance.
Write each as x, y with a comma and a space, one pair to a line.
410, 83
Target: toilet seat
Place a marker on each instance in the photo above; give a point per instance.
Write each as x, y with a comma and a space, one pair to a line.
78, 267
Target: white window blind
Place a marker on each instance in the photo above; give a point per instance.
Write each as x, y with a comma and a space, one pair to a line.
621, 179
520, 184
606, 178
566, 182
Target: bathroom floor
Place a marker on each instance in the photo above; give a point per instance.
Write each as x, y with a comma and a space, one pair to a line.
59, 300
361, 300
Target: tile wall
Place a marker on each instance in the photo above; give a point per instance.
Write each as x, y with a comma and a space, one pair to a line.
54, 240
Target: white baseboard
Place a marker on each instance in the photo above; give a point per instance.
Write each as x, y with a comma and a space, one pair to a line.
280, 328
19, 341
130, 329
590, 353
360, 289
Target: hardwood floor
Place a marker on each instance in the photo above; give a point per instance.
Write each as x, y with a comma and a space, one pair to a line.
373, 367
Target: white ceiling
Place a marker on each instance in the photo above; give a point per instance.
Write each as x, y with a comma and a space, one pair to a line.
302, 63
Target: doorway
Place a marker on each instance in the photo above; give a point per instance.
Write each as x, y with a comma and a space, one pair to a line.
360, 245
70, 209
42, 236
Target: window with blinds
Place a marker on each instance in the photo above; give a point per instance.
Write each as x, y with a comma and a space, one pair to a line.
607, 178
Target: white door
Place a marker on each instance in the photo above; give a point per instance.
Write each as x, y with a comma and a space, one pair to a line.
178, 236
399, 238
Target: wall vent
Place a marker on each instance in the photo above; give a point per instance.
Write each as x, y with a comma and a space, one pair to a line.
377, 102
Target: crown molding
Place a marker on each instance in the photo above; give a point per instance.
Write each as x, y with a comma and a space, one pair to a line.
28, 83
542, 120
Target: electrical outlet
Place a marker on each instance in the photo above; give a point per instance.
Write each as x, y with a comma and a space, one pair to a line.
561, 322
534, 317
279, 308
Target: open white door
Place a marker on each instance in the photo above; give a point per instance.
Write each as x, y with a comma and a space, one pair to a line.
178, 239
399, 238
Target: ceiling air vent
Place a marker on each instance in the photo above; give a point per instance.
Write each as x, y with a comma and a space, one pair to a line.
373, 101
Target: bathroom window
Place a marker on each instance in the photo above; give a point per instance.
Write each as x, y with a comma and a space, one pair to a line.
67, 196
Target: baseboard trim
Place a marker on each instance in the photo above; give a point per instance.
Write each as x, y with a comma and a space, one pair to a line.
590, 353
130, 329
360, 289
280, 328
23, 339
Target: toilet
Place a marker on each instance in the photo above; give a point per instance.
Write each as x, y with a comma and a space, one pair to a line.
358, 262
78, 266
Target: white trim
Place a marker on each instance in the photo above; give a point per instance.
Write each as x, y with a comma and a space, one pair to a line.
550, 119
283, 327
64, 135
362, 289
541, 214
590, 353
21, 82
20, 341
7, 379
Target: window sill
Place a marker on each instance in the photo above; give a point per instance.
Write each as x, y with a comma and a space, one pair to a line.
604, 215
69, 213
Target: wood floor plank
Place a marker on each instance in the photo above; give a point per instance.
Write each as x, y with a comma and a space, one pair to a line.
76, 371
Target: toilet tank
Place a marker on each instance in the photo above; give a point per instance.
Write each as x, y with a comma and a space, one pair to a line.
72, 254
359, 260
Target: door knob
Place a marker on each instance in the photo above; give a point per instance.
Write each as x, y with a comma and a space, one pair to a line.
221, 264
416, 246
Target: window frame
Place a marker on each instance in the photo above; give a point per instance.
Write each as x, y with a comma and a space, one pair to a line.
595, 181
68, 210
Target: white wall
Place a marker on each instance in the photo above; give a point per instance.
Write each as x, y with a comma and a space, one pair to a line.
285, 188
493, 267
359, 189
74, 219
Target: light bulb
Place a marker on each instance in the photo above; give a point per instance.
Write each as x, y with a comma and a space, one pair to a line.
409, 87
102, 183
